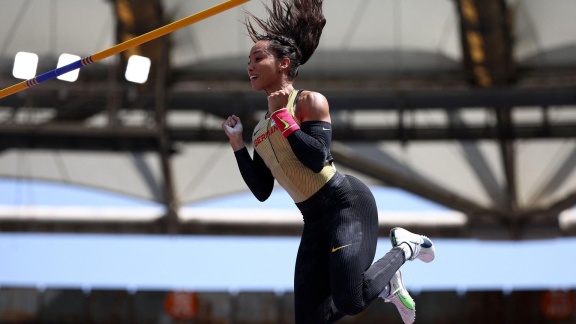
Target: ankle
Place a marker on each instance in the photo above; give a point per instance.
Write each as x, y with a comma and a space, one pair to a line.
407, 249
386, 292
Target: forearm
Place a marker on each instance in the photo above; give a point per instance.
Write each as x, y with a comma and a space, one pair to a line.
256, 175
310, 151
237, 143
310, 143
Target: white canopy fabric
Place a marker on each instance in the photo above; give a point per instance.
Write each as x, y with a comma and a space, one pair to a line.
85, 27
201, 171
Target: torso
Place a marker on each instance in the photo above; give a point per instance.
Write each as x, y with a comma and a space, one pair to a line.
299, 181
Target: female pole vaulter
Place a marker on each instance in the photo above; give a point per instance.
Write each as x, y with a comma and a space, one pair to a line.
334, 274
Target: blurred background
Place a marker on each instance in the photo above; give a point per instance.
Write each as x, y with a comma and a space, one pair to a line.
121, 201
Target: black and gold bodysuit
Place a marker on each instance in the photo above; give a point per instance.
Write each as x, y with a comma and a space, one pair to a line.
297, 179
334, 274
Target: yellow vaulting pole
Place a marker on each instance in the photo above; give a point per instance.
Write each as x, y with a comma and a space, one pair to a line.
123, 46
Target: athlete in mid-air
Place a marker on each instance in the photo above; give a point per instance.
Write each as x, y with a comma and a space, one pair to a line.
334, 274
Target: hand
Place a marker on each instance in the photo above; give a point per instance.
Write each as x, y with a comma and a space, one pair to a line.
278, 100
232, 127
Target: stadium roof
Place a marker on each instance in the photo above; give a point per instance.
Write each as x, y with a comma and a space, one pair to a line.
468, 103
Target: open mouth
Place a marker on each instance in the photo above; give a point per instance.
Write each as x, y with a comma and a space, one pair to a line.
253, 77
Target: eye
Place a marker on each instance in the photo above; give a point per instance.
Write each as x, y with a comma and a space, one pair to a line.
257, 59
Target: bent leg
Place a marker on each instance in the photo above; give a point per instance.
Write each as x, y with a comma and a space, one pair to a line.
356, 281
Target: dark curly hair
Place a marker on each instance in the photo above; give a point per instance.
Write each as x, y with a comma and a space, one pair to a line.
293, 28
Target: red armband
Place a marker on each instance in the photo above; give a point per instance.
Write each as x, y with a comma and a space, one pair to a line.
285, 122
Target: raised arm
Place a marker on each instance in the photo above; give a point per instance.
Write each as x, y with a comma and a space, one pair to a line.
254, 171
311, 141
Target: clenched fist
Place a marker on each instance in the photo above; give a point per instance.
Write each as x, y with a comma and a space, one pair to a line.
278, 100
232, 127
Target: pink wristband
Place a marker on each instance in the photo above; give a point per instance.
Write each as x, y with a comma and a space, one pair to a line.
285, 122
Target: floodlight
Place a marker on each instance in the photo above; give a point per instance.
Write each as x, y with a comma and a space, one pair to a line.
64, 60
138, 69
25, 65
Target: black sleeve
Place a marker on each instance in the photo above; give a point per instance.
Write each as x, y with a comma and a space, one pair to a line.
255, 173
311, 144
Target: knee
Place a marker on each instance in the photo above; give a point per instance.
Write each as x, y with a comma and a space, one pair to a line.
348, 307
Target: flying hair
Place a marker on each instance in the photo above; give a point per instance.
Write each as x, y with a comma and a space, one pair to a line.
293, 28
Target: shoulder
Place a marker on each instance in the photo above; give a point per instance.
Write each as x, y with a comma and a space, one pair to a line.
311, 106
312, 99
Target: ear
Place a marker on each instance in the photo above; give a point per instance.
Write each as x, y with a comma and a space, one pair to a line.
285, 63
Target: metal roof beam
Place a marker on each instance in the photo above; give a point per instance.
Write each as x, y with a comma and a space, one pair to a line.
486, 38
224, 102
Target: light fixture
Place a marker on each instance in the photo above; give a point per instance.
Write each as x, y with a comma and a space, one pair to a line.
137, 69
64, 60
25, 65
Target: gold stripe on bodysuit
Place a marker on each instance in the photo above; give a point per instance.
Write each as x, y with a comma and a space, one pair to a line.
298, 180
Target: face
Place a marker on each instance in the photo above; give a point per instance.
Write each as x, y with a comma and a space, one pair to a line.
263, 67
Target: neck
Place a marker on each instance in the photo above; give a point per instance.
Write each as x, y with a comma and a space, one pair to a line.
284, 85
